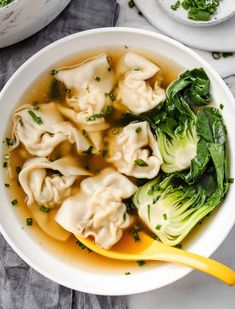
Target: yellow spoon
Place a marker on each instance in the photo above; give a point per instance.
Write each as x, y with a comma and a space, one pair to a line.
150, 249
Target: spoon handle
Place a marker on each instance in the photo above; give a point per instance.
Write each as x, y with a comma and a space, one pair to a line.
198, 262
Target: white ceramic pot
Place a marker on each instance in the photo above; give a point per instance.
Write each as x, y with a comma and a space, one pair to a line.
101, 278
22, 18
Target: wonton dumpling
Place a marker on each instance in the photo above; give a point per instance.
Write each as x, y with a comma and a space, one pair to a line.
88, 95
49, 190
41, 130
97, 209
135, 142
134, 89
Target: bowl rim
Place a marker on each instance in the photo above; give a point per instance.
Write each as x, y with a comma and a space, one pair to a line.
158, 36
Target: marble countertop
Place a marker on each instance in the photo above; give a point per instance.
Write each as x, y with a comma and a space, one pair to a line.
197, 289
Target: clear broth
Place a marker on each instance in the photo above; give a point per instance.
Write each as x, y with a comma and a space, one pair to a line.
38, 92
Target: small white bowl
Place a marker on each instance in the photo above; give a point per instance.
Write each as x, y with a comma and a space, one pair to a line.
225, 10
102, 279
22, 18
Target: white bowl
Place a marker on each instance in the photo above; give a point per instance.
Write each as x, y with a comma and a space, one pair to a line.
101, 279
22, 18
225, 10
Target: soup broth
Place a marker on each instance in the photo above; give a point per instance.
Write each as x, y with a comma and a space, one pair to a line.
40, 92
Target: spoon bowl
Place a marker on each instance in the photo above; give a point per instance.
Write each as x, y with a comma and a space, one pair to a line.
149, 249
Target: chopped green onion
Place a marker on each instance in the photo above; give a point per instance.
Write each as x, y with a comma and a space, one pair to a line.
225, 55
36, 118
108, 110
140, 263
18, 169
216, 55
88, 88
104, 153
29, 221
21, 122
45, 209
14, 202
124, 216
135, 234
221, 106
97, 78
148, 212
82, 246
179, 246
67, 90
137, 69
10, 141
112, 96
131, 4
138, 130
140, 162
7, 185
175, 6
126, 47
115, 131
231, 180
158, 227
165, 216
54, 72
127, 273
88, 150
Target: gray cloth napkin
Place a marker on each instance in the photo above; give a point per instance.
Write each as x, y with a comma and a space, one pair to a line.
21, 286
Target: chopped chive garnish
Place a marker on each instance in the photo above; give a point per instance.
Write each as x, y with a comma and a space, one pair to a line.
126, 47
158, 227
115, 131
84, 133
108, 110
176, 5
88, 88
135, 234
88, 150
215, 55
18, 169
104, 153
87, 167
225, 55
148, 212
67, 90
140, 262
124, 216
155, 199
112, 96
36, 118
21, 122
97, 78
165, 216
140, 162
14, 202
82, 246
127, 273
5, 164
179, 246
221, 106
10, 141
54, 72
7, 185
131, 4
231, 180
45, 209
137, 69
138, 130
29, 221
